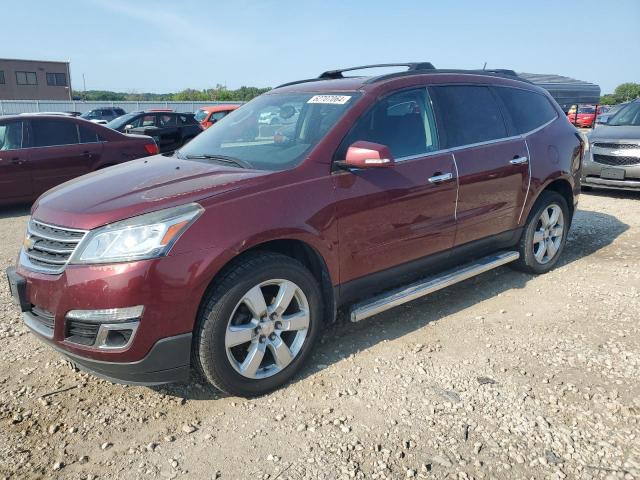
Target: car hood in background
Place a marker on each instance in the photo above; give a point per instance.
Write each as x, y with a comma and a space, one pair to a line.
605, 132
137, 187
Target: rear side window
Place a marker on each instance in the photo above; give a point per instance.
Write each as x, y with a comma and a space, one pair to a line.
528, 110
87, 135
402, 121
12, 136
467, 114
47, 133
168, 120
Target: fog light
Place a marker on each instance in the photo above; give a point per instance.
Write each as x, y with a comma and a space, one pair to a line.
110, 328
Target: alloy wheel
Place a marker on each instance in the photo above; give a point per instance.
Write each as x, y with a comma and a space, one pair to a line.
548, 235
267, 328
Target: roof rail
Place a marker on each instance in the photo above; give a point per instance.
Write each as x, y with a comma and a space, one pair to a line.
411, 67
498, 72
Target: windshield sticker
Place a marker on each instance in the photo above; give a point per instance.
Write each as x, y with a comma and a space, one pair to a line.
330, 99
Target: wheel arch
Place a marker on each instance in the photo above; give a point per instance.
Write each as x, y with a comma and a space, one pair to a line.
297, 249
561, 186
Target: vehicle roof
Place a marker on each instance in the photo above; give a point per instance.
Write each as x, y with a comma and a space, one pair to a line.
373, 83
220, 107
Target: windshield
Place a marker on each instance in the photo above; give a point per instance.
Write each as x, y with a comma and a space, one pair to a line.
121, 121
628, 116
201, 115
90, 114
586, 110
273, 131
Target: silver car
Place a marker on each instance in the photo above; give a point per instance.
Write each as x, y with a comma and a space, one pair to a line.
613, 160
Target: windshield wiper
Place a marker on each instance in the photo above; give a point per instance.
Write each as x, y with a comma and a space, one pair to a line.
220, 158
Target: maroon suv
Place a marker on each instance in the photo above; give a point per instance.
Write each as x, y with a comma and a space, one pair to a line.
38, 152
233, 254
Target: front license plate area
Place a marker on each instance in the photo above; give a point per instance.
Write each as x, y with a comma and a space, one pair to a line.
612, 173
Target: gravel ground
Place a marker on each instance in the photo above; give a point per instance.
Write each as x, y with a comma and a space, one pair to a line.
503, 376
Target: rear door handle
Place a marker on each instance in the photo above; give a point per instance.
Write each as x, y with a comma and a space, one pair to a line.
518, 160
18, 161
441, 177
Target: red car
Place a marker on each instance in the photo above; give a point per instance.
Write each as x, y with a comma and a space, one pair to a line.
38, 152
233, 254
586, 116
209, 115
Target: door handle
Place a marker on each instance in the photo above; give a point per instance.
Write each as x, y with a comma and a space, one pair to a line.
18, 161
88, 155
518, 160
441, 177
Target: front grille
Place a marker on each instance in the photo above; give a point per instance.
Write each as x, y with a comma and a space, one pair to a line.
81, 332
49, 247
615, 160
44, 318
616, 146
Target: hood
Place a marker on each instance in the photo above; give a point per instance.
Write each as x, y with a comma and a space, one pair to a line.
137, 187
606, 132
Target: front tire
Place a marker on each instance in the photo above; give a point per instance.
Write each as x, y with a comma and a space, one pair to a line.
545, 234
258, 325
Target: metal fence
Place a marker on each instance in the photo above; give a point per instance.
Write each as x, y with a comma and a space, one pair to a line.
13, 107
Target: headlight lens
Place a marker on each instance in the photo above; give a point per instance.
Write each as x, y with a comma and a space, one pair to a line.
138, 238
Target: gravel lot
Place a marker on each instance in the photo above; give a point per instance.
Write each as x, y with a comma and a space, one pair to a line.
503, 376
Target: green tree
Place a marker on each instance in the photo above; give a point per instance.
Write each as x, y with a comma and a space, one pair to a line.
623, 93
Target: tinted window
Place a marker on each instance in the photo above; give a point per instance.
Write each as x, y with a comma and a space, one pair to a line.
47, 133
57, 79
402, 121
168, 120
87, 135
11, 135
528, 110
467, 115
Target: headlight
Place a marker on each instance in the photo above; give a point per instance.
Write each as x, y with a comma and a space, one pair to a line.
138, 238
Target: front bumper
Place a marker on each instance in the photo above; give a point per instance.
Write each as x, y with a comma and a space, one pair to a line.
592, 174
161, 348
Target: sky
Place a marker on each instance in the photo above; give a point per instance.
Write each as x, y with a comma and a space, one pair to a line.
166, 46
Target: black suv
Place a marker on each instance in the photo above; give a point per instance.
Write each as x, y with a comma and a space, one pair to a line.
170, 130
103, 114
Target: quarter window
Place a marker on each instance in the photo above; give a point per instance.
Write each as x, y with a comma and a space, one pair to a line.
26, 78
528, 110
87, 135
48, 133
57, 79
402, 121
11, 136
467, 114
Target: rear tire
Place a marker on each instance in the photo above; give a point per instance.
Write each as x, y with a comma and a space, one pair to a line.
257, 326
545, 234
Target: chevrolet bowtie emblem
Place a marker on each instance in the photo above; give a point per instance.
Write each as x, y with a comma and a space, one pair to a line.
28, 242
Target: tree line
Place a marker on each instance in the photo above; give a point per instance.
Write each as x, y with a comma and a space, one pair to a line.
219, 93
623, 93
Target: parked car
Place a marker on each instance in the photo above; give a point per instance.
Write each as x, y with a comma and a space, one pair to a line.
209, 115
103, 115
38, 152
586, 116
603, 117
613, 159
233, 253
169, 129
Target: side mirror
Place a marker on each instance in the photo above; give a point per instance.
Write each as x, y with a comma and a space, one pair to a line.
368, 155
128, 127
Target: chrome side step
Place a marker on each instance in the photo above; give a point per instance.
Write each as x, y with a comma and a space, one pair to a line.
405, 294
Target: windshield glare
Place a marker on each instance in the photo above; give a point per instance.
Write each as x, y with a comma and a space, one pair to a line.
273, 131
627, 116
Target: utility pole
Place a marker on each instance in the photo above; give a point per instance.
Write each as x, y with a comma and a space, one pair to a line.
84, 88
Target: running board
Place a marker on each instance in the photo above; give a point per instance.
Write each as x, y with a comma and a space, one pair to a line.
405, 294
